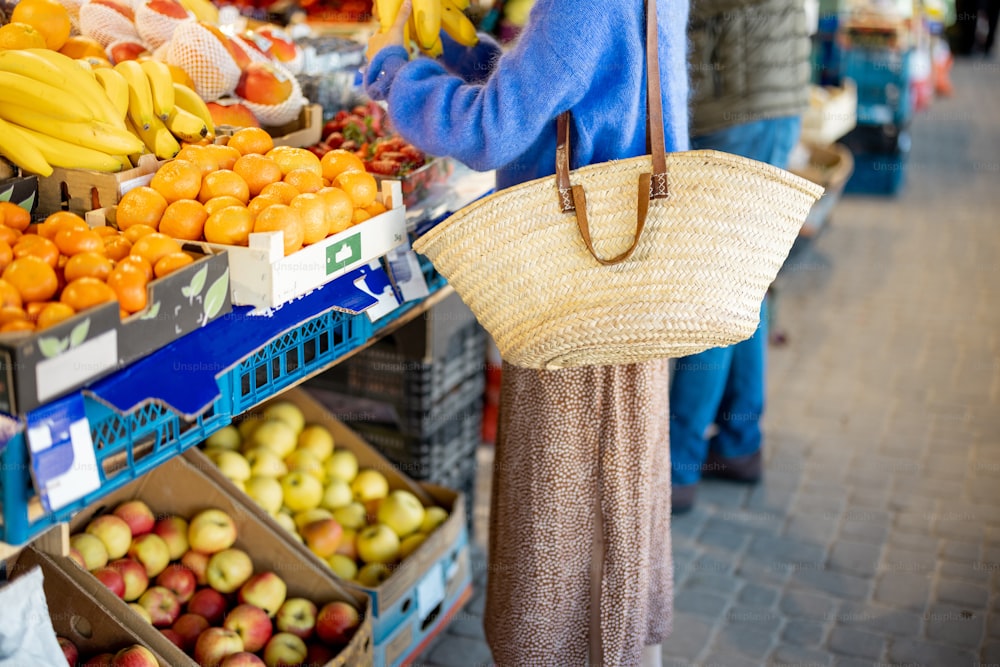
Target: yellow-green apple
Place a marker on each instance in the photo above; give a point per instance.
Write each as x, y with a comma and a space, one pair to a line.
301, 491
211, 530
77, 557
265, 590
227, 437
137, 515
245, 659
319, 654
133, 575
322, 536
151, 552
162, 605
188, 627
135, 655
174, 531
178, 579
308, 516
69, 649
373, 574
275, 435
286, 411
141, 611
209, 604
342, 464
317, 439
336, 493
336, 622
369, 484
297, 616
94, 553
228, 570
214, 644
230, 463
284, 650
377, 544
410, 544
303, 460
348, 544
286, 521
402, 511
251, 623
433, 517
265, 463
351, 517
114, 532
342, 566
112, 579
266, 492
248, 422
197, 562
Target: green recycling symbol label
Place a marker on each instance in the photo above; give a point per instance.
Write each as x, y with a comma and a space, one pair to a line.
343, 253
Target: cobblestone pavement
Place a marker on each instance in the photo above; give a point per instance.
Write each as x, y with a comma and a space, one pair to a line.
874, 538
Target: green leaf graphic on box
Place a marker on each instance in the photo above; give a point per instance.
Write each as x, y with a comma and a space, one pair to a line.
215, 297
197, 282
52, 347
343, 253
29, 203
6, 194
79, 333
153, 311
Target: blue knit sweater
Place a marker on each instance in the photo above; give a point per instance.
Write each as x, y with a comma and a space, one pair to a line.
496, 110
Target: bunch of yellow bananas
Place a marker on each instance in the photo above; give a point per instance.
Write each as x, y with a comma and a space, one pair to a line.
53, 113
427, 20
158, 110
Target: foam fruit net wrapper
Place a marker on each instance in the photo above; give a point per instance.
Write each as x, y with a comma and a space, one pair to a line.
209, 64
106, 25
155, 28
279, 114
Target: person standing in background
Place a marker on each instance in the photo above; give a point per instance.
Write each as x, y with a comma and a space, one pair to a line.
750, 71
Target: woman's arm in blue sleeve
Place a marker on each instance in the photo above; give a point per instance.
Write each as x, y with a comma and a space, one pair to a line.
473, 64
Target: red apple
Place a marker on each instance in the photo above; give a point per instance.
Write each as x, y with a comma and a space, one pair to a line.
135, 656
284, 650
236, 115
243, 659
239, 53
173, 530
209, 603
322, 536
336, 622
197, 562
101, 660
265, 590
297, 616
261, 83
151, 552
168, 8
111, 578
319, 654
136, 514
174, 637
179, 580
162, 606
214, 645
120, 7
124, 50
134, 575
69, 650
188, 627
252, 624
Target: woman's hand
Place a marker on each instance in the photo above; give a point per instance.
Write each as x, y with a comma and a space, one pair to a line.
393, 36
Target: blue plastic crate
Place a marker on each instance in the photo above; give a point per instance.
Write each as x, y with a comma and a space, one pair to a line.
883, 80
877, 173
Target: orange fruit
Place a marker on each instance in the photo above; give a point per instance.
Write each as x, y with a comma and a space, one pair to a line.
140, 206
136, 232
136, 263
376, 208
359, 216
251, 140
170, 263
17, 325
128, 280
12, 313
34, 309
304, 180
216, 203
152, 247
230, 226
87, 264
13, 216
61, 220
312, 210
79, 46
206, 160
258, 171
360, 186
9, 235
105, 231
6, 255
284, 219
33, 278
117, 248
73, 241
289, 157
47, 17
337, 161
84, 293
226, 156
184, 219
9, 296
260, 202
339, 209
21, 36
283, 192
37, 246
53, 313
224, 182
177, 179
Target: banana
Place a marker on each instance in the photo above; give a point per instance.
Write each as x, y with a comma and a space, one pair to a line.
59, 153
83, 86
158, 139
186, 126
161, 85
140, 96
190, 101
19, 150
23, 91
115, 87
94, 134
427, 19
387, 11
461, 5
457, 24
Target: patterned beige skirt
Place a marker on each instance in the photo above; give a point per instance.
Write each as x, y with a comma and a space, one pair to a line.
580, 568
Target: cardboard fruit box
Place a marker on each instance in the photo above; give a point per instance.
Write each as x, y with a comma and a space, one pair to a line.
81, 190
20, 190
183, 488
77, 614
36, 367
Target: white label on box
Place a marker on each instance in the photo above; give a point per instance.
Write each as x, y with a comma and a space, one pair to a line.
82, 478
63, 462
76, 365
430, 591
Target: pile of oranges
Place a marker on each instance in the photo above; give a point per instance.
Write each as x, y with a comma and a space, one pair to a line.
223, 193
54, 269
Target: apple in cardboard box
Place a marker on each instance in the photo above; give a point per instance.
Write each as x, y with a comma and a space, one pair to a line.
208, 603
134, 575
214, 644
137, 515
174, 531
112, 579
252, 624
113, 531
179, 580
162, 605
336, 622
297, 616
151, 552
189, 627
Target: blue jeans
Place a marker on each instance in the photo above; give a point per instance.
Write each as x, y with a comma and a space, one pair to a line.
725, 385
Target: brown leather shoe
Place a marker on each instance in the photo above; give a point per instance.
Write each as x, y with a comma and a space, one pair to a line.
745, 469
